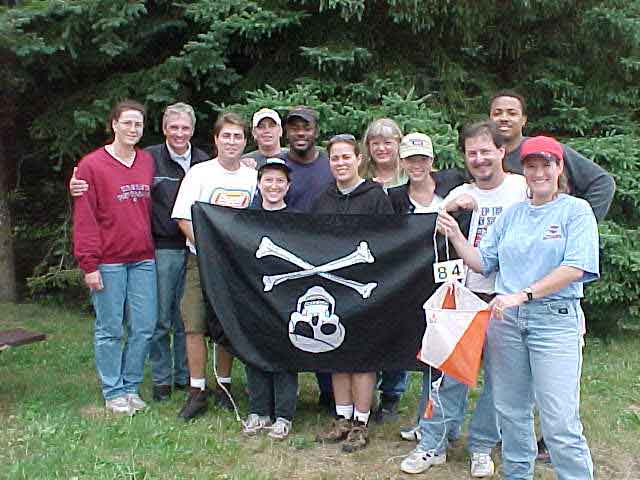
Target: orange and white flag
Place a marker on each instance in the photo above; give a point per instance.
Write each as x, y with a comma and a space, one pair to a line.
457, 322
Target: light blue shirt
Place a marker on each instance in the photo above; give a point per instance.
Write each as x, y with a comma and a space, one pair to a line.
527, 242
183, 160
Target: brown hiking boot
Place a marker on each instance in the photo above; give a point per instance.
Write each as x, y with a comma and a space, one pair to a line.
357, 438
195, 405
337, 431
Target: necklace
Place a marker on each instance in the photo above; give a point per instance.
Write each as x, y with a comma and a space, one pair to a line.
125, 161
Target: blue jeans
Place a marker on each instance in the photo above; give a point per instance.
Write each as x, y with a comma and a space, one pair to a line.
393, 383
129, 298
536, 353
166, 368
451, 399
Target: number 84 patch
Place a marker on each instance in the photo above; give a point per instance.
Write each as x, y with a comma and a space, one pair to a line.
449, 270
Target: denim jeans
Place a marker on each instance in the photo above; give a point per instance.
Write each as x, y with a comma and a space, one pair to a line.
536, 353
169, 367
272, 394
128, 299
393, 383
450, 403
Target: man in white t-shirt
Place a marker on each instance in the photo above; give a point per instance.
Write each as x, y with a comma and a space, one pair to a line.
489, 195
222, 181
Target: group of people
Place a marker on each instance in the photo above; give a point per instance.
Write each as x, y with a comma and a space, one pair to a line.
532, 243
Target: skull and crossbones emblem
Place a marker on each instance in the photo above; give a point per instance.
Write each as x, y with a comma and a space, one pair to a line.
361, 254
314, 326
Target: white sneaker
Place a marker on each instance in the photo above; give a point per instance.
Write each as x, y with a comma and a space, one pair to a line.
481, 465
411, 434
136, 403
254, 423
119, 405
419, 461
280, 430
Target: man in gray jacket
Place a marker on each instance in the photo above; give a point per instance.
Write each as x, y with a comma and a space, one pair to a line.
586, 179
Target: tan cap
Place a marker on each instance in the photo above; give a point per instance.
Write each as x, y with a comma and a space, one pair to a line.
416, 144
265, 113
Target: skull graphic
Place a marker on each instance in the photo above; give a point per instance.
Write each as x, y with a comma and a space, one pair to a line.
314, 327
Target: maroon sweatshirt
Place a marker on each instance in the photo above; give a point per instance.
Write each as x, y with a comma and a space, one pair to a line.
112, 220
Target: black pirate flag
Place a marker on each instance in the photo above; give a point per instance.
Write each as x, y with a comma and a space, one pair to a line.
317, 292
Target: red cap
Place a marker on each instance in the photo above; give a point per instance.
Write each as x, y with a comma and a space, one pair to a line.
542, 146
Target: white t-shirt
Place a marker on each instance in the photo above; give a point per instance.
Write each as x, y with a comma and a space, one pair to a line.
491, 203
212, 183
433, 208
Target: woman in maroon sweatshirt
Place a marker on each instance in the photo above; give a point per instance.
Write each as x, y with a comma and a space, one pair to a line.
114, 247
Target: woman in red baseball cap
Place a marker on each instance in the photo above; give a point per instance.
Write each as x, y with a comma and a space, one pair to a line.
543, 250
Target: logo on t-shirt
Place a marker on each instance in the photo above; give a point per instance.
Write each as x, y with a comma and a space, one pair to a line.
486, 217
230, 198
553, 231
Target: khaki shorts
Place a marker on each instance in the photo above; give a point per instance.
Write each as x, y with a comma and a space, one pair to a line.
194, 312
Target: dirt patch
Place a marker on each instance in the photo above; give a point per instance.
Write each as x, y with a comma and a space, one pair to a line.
301, 458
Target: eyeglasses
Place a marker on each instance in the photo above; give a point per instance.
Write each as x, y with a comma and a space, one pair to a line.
129, 124
342, 137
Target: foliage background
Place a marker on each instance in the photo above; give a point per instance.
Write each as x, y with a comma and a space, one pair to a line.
430, 64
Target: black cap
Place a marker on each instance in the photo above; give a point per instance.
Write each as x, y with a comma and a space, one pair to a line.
306, 113
275, 162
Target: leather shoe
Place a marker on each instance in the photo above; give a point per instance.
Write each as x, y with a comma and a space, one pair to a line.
161, 392
196, 404
221, 399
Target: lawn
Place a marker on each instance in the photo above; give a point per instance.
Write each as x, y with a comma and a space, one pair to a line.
53, 424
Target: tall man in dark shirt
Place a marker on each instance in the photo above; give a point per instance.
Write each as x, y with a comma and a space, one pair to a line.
586, 179
310, 174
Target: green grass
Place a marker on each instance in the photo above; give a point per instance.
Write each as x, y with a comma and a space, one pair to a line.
53, 424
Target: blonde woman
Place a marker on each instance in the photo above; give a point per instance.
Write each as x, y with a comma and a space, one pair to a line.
381, 160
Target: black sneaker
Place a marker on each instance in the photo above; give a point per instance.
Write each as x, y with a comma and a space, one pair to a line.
387, 411
161, 392
196, 404
180, 386
221, 399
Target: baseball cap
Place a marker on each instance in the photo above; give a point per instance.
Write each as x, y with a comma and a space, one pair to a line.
265, 113
306, 113
416, 144
541, 146
275, 162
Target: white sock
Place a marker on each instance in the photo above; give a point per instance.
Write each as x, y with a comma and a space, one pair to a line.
345, 411
225, 380
200, 383
361, 416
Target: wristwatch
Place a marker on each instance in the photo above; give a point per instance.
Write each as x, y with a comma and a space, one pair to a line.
529, 293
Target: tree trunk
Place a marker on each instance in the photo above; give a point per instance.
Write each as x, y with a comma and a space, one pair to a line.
7, 263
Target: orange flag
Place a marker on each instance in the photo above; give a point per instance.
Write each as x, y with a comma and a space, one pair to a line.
457, 322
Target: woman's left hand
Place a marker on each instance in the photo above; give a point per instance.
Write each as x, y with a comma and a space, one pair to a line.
500, 303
